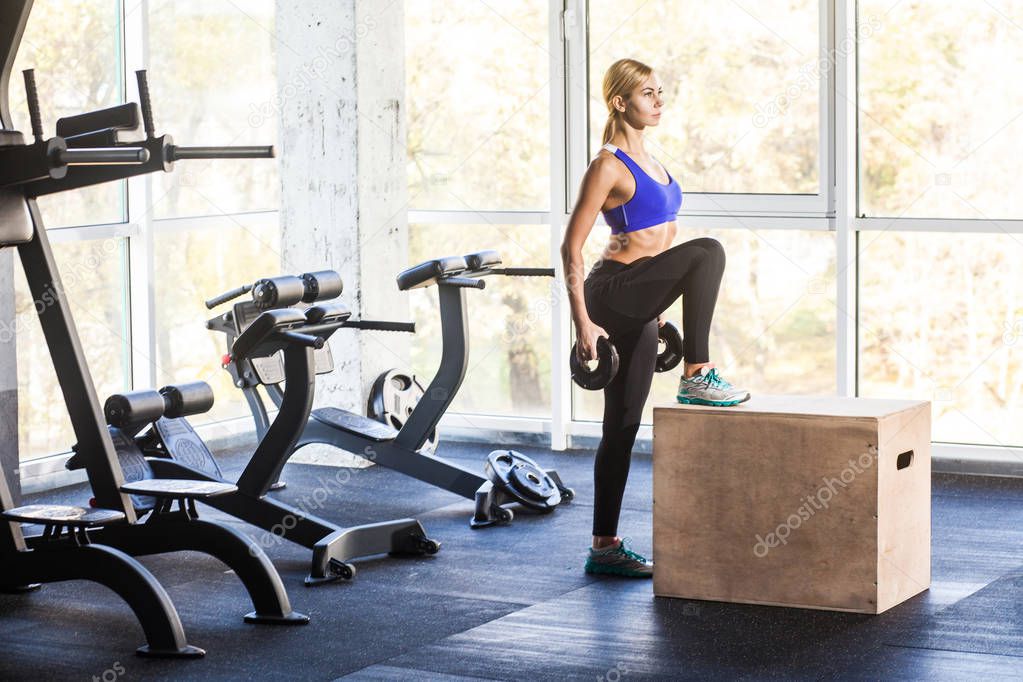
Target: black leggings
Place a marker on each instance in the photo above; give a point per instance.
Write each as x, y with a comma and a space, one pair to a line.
625, 299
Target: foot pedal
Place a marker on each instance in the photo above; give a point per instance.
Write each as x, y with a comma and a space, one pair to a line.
344, 420
184, 446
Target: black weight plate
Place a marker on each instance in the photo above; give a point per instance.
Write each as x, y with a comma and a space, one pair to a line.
530, 481
519, 476
671, 355
597, 378
394, 395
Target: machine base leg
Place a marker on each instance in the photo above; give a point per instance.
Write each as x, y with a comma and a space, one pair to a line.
489, 511
167, 533
187, 651
121, 573
293, 618
332, 554
567, 494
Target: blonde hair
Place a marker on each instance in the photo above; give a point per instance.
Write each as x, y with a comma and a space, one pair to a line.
621, 78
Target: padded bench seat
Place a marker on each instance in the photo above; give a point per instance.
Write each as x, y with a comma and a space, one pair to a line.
482, 260
428, 272
65, 515
173, 488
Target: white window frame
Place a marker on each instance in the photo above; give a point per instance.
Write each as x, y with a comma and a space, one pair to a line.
139, 228
834, 209
567, 36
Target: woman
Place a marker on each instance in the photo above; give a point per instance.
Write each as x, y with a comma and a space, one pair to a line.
636, 279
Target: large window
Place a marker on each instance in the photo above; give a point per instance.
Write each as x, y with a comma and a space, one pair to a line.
509, 367
746, 134
940, 97
939, 130
741, 84
478, 114
751, 133
213, 72
774, 121
94, 274
941, 319
478, 102
134, 271
75, 48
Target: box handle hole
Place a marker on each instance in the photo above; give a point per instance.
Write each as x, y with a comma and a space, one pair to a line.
904, 460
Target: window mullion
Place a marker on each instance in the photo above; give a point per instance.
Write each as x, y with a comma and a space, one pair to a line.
139, 194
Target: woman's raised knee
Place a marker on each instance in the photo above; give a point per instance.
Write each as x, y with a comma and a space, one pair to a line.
715, 251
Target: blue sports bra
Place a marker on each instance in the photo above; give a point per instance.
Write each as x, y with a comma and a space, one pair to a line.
651, 204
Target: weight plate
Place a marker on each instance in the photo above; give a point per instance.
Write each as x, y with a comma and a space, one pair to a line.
597, 378
531, 482
521, 478
394, 395
670, 338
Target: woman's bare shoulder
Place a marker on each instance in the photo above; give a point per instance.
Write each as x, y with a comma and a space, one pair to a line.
605, 165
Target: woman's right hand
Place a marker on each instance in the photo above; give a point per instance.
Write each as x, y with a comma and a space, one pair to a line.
586, 341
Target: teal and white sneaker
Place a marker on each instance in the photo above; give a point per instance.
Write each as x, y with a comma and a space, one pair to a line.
706, 387
619, 560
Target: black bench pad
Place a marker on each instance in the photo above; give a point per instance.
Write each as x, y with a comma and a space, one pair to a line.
63, 514
178, 488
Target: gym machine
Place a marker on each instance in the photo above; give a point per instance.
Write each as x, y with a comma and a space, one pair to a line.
508, 476
154, 439
90, 151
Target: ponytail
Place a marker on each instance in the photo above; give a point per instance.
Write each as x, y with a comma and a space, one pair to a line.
609, 127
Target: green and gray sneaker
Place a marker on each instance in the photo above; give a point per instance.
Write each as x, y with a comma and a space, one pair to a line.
706, 387
619, 560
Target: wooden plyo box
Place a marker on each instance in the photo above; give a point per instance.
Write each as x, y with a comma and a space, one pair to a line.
809, 501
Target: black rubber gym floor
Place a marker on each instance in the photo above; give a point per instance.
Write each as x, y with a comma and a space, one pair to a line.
513, 603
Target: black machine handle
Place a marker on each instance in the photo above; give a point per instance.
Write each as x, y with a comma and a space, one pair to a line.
102, 156
524, 272
146, 103
381, 326
302, 339
33, 104
467, 282
227, 296
176, 153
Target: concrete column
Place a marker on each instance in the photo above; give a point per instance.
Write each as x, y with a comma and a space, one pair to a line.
340, 73
9, 453
382, 182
